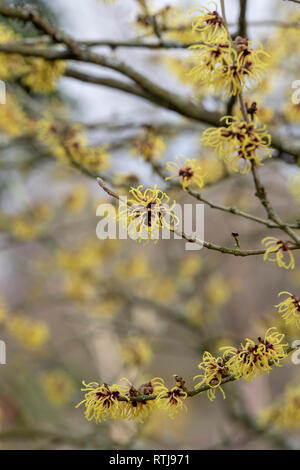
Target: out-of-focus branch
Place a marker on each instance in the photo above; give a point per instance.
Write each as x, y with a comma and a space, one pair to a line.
148, 90
242, 31
153, 92
30, 433
294, 1
109, 82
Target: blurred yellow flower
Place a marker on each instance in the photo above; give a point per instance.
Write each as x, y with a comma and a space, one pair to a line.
189, 267
218, 291
58, 386
30, 225
11, 65
31, 334
285, 412
76, 200
148, 145
42, 75
294, 186
13, 120
252, 359
135, 351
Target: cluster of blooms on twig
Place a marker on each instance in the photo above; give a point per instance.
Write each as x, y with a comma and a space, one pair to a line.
278, 251
127, 402
248, 361
239, 141
40, 75
227, 67
70, 145
253, 358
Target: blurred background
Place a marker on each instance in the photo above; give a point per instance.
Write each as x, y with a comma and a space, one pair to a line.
74, 307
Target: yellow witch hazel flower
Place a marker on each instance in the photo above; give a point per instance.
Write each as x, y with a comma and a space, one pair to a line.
195, 313
146, 213
76, 200
218, 290
13, 120
3, 311
31, 334
289, 308
189, 172
70, 145
57, 386
227, 67
139, 409
239, 142
43, 75
214, 370
136, 351
48, 132
76, 148
252, 359
170, 400
210, 24
29, 225
294, 186
207, 60
246, 70
285, 413
11, 65
276, 250
148, 145
136, 268
102, 401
